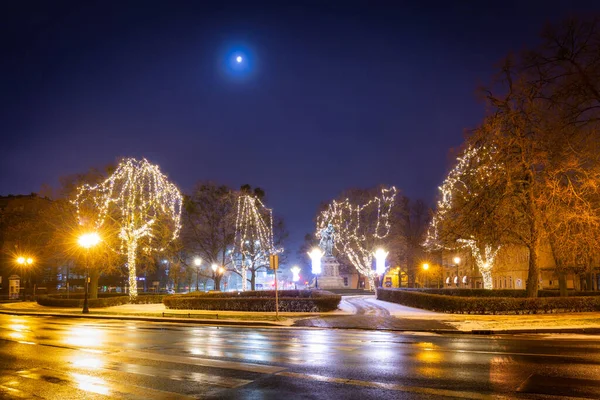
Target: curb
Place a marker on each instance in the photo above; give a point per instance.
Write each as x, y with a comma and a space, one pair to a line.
214, 322
268, 324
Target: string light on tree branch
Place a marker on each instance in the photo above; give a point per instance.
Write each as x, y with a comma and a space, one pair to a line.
473, 168
353, 228
139, 201
253, 236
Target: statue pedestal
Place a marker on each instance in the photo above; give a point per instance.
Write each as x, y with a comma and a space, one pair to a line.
330, 277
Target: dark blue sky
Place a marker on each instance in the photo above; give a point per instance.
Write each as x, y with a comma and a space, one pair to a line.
337, 94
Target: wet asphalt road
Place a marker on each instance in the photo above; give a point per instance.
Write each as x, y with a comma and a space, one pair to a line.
61, 358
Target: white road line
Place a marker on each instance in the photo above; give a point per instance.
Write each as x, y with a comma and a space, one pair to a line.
97, 385
416, 389
177, 375
204, 362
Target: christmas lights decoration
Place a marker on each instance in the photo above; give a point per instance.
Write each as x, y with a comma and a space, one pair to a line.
354, 231
475, 166
139, 200
253, 236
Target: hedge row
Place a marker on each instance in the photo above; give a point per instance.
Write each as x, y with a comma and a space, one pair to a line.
498, 292
489, 305
258, 293
98, 303
80, 295
305, 301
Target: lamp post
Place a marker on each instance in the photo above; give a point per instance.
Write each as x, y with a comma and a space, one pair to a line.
87, 241
380, 255
315, 256
295, 276
197, 262
217, 273
25, 262
457, 262
426, 269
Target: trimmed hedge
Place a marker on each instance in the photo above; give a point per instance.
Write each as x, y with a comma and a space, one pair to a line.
489, 305
497, 292
289, 301
111, 301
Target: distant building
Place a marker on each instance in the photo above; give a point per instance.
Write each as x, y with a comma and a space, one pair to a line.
17, 214
510, 270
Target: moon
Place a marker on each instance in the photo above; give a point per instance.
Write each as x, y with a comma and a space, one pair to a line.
239, 59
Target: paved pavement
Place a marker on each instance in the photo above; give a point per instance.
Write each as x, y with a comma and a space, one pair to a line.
358, 312
59, 358
370, 313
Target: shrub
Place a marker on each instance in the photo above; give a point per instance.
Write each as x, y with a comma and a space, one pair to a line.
289, 301
92, 303
488, 305
462, 292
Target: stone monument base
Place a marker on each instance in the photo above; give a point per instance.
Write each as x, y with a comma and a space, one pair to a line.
330, 278
331, 282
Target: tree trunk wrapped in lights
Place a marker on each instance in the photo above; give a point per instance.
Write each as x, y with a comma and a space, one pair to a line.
253, 238
358, 228
140, 204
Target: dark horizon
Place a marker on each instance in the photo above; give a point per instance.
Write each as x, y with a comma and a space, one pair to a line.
329, 96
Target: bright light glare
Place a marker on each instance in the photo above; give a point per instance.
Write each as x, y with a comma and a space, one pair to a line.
88, 240
425, 266
214, 267
197, 261
380, 256
315, 255
239, 59
295, 271
456, 260
24, 261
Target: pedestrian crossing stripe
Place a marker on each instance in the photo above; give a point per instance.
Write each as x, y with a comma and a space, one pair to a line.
205, 362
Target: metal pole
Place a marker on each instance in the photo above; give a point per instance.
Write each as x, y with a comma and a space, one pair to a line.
276, 297
197, 276
86, 310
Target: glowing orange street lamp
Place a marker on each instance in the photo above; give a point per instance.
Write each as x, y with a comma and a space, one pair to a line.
87, 241
23, 261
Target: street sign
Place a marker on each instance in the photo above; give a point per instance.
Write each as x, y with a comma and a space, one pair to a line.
274, 261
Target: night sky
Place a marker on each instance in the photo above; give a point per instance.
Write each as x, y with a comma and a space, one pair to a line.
330, 95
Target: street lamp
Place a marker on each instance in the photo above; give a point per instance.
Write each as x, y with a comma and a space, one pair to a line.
87, 241
295, 275
25, 262
197, 262
380, 255
457, 262
217, 272
315, 256
426, 268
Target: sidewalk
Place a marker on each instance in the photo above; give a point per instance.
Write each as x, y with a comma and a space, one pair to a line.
158, 312
537, 323
355, 312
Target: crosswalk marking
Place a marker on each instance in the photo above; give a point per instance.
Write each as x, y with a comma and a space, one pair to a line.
205, 362
96, 385
178, 375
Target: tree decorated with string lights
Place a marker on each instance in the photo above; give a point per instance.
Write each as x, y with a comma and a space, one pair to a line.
140, 204
462, 218
254, 241
359, 227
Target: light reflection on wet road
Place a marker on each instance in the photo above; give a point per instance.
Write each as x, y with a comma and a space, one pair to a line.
56, 358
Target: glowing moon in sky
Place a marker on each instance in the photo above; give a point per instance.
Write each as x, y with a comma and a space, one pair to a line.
238, 59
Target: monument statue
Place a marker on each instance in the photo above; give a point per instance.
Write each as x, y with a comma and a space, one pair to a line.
327, 240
